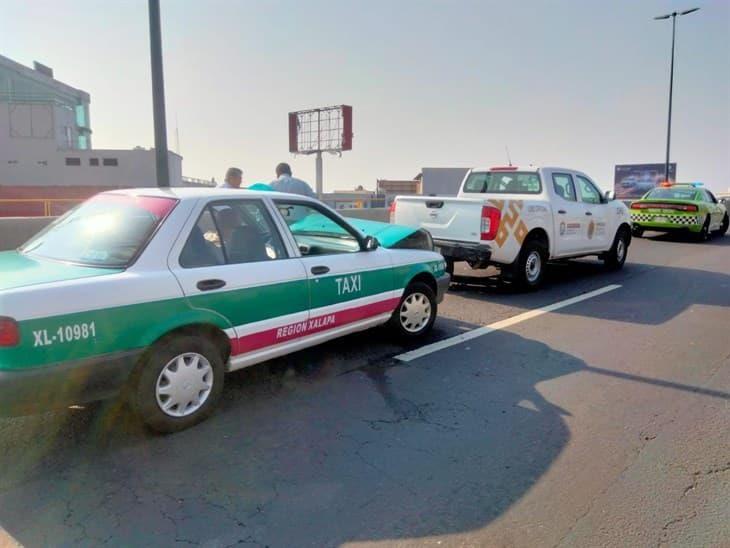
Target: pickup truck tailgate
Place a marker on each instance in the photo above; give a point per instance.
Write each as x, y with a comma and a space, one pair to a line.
445, 218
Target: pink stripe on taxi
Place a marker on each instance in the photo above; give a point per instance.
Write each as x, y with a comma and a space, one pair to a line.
317, 324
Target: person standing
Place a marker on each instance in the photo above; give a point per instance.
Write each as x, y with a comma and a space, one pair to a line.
234, 178
284, 182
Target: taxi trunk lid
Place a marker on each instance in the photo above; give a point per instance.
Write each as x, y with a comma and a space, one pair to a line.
20, 270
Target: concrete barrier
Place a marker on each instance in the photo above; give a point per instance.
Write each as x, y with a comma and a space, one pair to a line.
15, 231
371, 214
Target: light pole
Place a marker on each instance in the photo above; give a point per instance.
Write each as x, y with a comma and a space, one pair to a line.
673, 15
158, 95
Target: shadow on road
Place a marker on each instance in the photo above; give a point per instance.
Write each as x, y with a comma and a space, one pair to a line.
296, 456
665, 291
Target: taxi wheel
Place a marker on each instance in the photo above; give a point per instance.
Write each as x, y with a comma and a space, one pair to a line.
616, 256
177, 384
416, 312
723, 227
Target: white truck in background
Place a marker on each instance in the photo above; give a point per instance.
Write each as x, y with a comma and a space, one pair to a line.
519, 219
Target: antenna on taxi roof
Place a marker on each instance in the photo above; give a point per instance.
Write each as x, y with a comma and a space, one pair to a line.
509, 160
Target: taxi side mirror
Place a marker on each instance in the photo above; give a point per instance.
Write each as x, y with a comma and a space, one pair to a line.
609, 195
370, 244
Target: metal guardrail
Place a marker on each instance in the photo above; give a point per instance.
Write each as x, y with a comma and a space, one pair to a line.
47, 205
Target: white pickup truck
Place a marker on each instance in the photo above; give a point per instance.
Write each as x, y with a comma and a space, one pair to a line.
520, 218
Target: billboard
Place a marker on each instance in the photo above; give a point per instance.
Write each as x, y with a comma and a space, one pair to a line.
632, 181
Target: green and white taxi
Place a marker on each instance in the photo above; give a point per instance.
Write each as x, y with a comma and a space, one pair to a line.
680, 207
158, 293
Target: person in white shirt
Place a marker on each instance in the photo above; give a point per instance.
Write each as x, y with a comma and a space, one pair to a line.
286, 183
234, 178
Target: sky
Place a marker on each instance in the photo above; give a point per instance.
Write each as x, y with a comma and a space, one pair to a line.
580, 84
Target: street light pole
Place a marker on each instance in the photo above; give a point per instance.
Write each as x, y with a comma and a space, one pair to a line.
673, 15
158, 95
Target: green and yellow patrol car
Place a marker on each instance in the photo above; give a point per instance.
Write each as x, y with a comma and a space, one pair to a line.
160, 292
680, 208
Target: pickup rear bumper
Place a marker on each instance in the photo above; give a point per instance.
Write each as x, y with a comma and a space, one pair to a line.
472, 253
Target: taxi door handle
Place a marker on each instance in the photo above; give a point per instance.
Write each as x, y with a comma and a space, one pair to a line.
207, 285
319, 270
589, 213
561, 211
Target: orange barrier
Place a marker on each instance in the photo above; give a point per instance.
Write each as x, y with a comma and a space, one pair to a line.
36, 207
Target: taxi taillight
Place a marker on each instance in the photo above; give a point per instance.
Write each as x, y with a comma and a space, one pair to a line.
490, 222
9, 332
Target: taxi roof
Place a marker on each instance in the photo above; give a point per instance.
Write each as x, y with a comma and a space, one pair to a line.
191, 193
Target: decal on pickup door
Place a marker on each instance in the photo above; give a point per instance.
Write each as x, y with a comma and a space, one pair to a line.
510, 222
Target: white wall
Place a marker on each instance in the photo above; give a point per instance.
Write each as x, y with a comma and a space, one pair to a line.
30, 154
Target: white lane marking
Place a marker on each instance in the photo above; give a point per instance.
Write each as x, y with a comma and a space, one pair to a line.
502, 324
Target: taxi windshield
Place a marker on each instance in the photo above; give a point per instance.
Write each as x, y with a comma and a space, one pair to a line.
108, 230
672, 194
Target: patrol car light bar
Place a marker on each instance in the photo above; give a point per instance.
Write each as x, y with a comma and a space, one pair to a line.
9, 332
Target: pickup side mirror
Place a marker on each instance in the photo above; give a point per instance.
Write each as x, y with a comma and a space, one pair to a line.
371, 243
609, 195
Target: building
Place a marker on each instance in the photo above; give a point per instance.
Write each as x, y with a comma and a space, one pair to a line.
432, 181
46, 156
358, 198
442, 181
388, 189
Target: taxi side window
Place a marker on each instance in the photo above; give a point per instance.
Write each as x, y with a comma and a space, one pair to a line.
315, 232
200, 249
563, 185
589, 194
232, 232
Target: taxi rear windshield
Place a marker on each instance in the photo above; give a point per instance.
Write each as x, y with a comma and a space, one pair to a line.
109, 230
672, 194
500, 182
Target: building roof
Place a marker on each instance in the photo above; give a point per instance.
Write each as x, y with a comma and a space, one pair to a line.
43, 78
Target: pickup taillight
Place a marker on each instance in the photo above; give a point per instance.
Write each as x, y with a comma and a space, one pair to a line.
490, 222
391, 212
9, 332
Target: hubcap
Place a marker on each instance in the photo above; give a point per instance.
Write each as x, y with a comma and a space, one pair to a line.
184, 384
415, 312
620, 249
533, 266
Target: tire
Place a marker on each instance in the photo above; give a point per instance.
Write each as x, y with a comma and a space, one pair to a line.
528, 272
416, 312
704, 234
615, 258
151, 383
723, 227
637, 231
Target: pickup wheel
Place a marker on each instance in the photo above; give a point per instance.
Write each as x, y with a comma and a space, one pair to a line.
177, 384
528, 272
416, 312
616, 256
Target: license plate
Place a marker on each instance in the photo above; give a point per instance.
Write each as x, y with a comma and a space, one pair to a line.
660, 219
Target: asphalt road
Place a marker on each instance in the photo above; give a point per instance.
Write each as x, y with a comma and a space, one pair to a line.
604, 423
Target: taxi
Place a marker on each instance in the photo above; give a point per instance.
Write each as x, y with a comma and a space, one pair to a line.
678, 207
157, 293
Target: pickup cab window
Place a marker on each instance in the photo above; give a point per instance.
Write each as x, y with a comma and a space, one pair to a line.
589, 194
500, 182
563, 186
